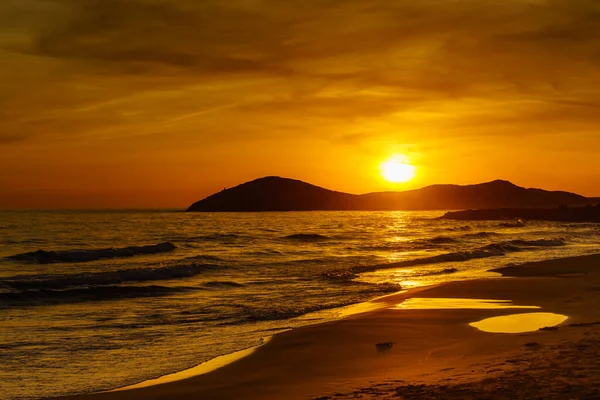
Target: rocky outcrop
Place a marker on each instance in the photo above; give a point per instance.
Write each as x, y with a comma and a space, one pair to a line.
562, 213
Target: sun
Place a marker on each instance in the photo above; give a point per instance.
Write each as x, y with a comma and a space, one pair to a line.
397, 169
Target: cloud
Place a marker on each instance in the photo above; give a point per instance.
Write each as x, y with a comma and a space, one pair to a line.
7, 138
178, 34
211, 69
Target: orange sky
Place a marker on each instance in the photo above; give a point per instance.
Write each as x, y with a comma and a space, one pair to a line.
154, 103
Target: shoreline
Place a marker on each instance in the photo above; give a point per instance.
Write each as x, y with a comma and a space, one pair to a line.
339, 356
200, 369
226, 359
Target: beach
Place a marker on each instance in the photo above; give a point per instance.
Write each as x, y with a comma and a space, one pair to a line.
91, 301
435, 352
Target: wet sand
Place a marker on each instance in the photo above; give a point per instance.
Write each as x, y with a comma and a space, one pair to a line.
435, 354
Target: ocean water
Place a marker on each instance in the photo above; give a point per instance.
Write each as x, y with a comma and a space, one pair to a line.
95, 300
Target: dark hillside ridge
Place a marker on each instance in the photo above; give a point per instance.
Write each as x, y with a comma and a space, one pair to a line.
276, 194
282, 194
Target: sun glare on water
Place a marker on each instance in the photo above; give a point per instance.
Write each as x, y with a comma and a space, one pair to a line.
397, 169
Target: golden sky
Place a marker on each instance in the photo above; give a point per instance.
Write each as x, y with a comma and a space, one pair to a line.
127, 103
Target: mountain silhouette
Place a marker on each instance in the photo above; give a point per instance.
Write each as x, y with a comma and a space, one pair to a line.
274, 193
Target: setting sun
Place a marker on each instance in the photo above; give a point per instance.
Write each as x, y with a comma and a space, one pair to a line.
397, 170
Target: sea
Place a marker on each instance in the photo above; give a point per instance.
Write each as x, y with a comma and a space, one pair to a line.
97, 300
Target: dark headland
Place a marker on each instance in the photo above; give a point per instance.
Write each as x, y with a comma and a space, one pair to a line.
283, 194
562, 213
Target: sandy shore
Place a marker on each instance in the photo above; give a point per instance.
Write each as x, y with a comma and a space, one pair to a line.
436, 354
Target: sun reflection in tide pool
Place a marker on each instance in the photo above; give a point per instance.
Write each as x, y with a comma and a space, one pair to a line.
424, 303
519, 323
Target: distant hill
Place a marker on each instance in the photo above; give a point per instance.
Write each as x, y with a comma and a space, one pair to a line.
274, 193
495, 194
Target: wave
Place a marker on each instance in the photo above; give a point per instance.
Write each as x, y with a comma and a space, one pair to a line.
100, 293
415, 244
445, 271
46, 296
341, 274
515, 224
454, 257
479, 235
520, 245
306, 237
216, 237
491, 250
254, 315
271, 314
462, 228
222, 285
391, 246
25, 241
442, 258
203, 258
439, 240
265, 252
540, 242
58, 282
78, 256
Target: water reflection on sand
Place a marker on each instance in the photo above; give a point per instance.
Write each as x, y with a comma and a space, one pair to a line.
519, 323
423, 303
514, 323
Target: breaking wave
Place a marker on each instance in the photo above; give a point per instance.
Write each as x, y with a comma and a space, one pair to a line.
479, 235
440, 240
99, 293
515, 224
58, 282
285, 312
491, 250
463, 228
78, 256
46, 296
445, 271
539, 242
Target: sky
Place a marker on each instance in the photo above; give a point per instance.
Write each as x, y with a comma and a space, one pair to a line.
159, 103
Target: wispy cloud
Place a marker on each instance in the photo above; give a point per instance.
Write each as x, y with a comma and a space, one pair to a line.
418, 54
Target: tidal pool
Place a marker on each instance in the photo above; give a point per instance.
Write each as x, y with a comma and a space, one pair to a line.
519, 323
